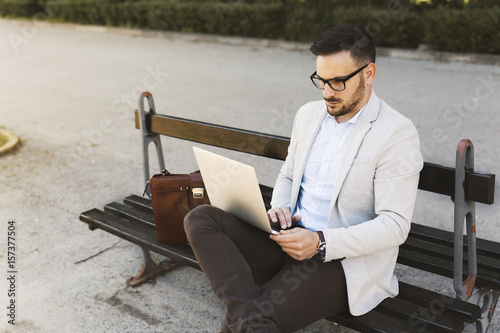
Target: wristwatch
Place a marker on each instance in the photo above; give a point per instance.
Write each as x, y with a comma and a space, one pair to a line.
321, 245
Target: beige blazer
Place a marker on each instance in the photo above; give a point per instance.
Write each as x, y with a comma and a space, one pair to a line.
373, 199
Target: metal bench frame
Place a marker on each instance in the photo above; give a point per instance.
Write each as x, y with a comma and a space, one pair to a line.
465, 211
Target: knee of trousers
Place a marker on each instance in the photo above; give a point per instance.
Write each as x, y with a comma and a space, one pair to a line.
199, 219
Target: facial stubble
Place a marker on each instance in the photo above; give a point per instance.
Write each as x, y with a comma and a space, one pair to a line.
354, 101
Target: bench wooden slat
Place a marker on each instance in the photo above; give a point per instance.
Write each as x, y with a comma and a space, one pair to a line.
485, 278
480, 187
141, 235
433, 301
130, 213
447, 253
372, 322
267, 193
420, 317
261, 144
138, 202
380, 322
439, 236
412, 311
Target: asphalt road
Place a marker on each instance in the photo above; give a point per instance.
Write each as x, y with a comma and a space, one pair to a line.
69, 93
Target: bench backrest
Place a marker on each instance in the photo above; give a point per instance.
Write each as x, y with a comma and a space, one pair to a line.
479, 187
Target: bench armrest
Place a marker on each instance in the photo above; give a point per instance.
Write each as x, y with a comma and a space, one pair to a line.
464, 211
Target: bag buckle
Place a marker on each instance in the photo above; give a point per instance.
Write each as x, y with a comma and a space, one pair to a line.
198, 193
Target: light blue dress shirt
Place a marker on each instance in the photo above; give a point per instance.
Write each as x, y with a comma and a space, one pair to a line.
321, 171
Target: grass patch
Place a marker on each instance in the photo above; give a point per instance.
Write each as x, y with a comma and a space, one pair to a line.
3, 140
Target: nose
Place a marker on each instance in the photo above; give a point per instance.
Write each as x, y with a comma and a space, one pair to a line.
328, 92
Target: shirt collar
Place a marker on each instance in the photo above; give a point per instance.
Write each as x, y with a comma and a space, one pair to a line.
354, 119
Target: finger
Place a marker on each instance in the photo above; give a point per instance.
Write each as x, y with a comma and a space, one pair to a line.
286, 220
281, 238
296, 219
274, 238
287, 236
283, 214
271, 215
290, 235
289, 242
288, 217
277, 239
293, 231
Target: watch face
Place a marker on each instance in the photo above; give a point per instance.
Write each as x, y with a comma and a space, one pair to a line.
322, 249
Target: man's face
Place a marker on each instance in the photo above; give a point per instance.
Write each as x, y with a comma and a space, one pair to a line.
342, 104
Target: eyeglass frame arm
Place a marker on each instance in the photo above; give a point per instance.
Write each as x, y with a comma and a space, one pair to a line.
327, 81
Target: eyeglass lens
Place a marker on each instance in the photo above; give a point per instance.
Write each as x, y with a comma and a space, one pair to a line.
334, 84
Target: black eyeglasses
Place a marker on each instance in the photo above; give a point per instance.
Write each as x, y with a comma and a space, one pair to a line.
337, 84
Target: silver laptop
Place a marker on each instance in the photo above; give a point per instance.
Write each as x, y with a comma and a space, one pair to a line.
232, 186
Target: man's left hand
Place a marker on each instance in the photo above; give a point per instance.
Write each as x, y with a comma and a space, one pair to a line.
298, 243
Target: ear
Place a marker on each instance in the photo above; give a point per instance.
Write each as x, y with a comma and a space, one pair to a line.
370, 72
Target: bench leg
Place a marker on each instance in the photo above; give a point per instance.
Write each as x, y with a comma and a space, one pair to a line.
150, 270
487, 300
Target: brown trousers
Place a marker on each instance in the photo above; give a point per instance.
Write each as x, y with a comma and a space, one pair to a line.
263, 288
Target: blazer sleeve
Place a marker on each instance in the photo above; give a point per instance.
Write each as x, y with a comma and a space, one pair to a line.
282, 192
395, 185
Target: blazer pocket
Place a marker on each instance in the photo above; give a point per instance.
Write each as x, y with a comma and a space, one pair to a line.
361, 161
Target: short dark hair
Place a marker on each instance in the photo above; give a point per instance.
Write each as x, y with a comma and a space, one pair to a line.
346, 37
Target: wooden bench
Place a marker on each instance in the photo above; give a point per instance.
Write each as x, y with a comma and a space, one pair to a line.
473, 264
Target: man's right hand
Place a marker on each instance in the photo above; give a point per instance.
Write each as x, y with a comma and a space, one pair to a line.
283, 217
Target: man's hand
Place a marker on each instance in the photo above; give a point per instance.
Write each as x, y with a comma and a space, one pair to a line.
283, 216
299, 243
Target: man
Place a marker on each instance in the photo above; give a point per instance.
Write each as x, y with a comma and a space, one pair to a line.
344, 200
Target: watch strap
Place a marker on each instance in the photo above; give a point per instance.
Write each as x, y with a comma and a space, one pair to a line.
321, 245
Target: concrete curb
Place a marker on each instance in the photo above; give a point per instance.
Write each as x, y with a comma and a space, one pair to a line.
409, 54
12, 141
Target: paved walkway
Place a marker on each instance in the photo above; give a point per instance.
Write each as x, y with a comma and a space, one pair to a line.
69, 91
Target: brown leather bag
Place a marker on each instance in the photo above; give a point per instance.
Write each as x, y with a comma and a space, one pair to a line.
172, 197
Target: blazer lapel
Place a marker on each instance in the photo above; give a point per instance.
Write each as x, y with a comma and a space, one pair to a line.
311, 129
364, 123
